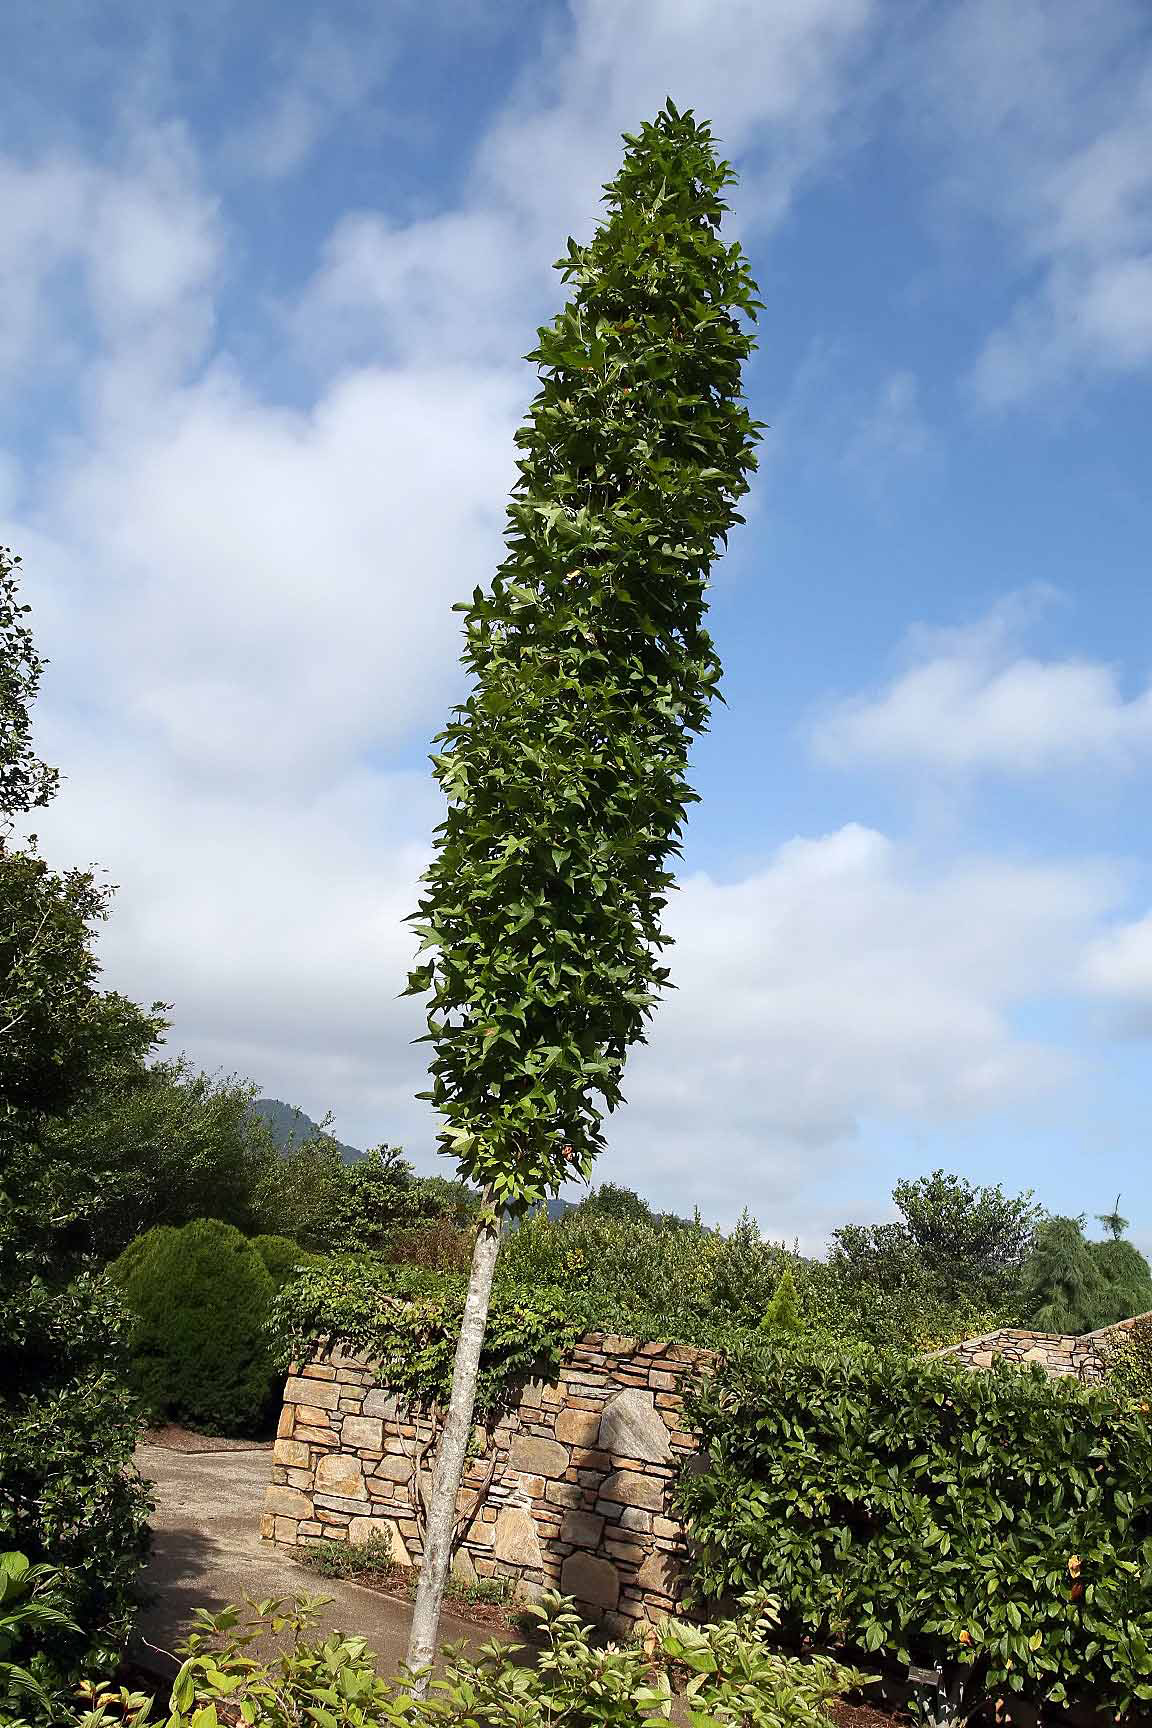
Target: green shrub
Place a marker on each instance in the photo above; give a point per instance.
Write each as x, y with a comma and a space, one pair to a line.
724, 1674
410, 1319
200, 1298
997, 1525
69, 1495
782, 1314
281, 1257
1128, 1363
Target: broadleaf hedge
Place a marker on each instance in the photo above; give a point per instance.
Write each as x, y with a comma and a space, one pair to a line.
996, 1525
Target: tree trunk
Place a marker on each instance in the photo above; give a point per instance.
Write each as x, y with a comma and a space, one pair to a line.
453, 1450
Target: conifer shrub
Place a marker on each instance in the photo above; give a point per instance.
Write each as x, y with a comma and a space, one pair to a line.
282, 1257
997, 1526
201, 1353
782, 1314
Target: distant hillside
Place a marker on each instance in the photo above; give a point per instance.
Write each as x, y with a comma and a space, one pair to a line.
289, 1126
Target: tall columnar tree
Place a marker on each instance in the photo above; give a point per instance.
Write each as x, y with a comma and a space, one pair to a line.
565, 771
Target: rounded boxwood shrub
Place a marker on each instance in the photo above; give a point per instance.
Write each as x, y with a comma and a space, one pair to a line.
200, 1350
282, 1256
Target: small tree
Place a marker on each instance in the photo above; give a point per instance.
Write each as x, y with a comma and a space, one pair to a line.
782, 1314
565, 771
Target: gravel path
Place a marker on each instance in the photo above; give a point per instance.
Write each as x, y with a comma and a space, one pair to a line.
207, 1552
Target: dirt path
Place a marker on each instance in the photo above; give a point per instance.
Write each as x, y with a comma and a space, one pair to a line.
207, 1552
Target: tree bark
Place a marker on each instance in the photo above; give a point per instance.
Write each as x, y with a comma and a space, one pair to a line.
453, 1450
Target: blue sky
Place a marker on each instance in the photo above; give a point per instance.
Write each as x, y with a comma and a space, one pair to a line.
267, 274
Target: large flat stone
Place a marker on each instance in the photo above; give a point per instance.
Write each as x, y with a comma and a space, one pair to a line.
629, 1488
337, 1473
364, 1433
321, 1394
394, 1468
517, 1540
582, 1529
632, 1427
378, 1403
580, 1427
590, 1580
287, 1503
538, 1457
659, 1573
361, 1529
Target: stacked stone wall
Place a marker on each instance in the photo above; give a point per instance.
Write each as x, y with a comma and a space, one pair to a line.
572, 1490
1060, 1354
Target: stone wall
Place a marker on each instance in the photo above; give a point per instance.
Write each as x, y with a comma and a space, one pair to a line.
1058, 1353
572, 1491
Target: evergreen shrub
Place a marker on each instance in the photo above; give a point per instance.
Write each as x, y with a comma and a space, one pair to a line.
201, 1353
281, 1257
996, 1525
69, 1493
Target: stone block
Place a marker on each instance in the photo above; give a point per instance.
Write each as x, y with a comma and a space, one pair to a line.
394, 1469
632, 1518
362, 1433
516, 1539
291, 1452
580, 1427
360, 1529
301, 1479
538, 1457
336, 1473
661, 1381
630, 1552
629, 1488
582, 1529
564, 1494
286, 1531
267, 1525
320, 1394
378, 1402
659, 1573
590, 1579
310, 1529
313, 1436
318, 1371
287, 1502
287, 1421
591, 1458
342, 1503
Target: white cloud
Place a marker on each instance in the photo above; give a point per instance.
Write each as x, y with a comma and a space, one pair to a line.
123, 257
265, 592
847, 981
470, 281
1118, 967
969, 701
1049, 109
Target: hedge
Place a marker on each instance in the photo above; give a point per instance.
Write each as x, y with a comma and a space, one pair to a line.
997, 1526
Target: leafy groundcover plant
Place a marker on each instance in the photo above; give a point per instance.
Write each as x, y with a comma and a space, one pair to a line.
721, 1674
996, 1526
